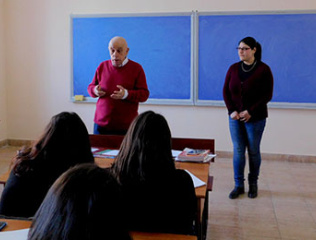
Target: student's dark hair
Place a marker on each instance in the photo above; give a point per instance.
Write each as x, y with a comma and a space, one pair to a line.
64, 143
83, 203
145, 152
252, 43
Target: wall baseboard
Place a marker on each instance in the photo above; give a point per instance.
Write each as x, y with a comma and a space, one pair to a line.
3, 143
18, 143
274, 157
220, 154
15, 143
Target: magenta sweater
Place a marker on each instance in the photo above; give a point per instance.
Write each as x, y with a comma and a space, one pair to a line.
252, 95
116, 114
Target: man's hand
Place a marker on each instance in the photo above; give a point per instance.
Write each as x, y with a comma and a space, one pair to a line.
118, 94
98, 91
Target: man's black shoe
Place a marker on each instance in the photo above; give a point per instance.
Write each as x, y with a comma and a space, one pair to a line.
236, 192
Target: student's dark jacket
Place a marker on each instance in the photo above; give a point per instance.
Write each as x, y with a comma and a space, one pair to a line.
23, 195
167, 204
24, 192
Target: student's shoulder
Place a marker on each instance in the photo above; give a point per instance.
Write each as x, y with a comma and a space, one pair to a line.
18, 183
183, 183
183, 175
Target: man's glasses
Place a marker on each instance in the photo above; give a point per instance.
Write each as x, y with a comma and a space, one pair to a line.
242, 48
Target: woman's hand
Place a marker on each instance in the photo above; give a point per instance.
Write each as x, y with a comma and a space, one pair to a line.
244, 116
234, 115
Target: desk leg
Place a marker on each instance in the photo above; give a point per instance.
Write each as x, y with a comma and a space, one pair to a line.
203, 227
204, 218
198, 219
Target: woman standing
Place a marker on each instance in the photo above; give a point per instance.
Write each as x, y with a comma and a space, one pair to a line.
247, 90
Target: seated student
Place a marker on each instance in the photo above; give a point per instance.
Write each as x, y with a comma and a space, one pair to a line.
157, 196
83, 203
64, 143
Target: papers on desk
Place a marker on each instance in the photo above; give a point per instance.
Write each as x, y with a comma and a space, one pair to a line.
196, 181
94, 149
16, 235
175, 153
108, 153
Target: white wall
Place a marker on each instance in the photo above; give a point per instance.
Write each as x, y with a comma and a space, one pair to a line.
3, 101
38, 72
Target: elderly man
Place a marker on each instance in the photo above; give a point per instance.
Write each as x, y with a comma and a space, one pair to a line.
120, 84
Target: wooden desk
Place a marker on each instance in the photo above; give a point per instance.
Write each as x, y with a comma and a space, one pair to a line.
200, 170
13, 224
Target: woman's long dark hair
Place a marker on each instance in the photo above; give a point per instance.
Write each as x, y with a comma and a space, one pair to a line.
145, 152
83, 203
252, 43
64, 143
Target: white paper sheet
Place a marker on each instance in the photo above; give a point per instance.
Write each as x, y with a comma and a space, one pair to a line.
111, 152
94, 149
175, 153
196, 181
14, 235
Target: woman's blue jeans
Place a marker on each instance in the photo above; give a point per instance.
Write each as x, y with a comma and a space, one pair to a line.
246, 135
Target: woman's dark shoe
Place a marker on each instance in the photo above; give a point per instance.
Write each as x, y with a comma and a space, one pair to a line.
253, 191
236, 192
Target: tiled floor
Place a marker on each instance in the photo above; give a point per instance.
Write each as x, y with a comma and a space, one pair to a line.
285, 208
